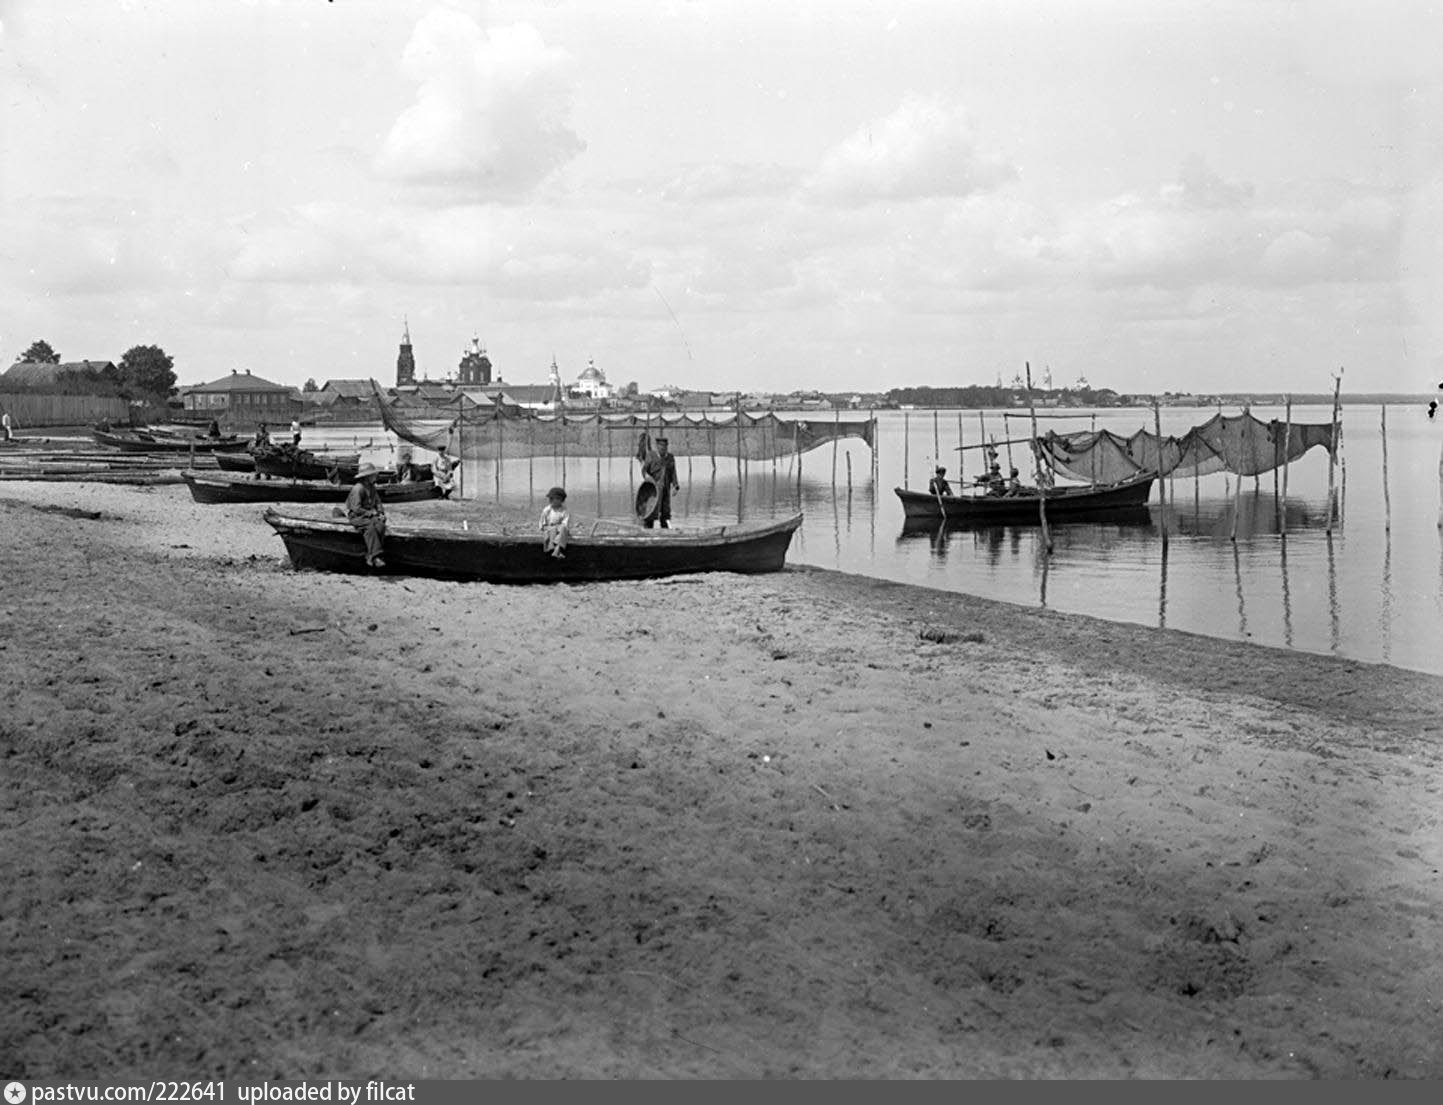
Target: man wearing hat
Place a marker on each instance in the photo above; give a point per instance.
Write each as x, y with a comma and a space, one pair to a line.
938, 484
660, 468
365, 512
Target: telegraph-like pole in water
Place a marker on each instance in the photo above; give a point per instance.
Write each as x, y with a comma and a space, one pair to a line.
1037, 463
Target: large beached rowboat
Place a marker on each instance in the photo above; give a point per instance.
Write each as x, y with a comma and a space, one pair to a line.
513, 553
1087, 502
228, 487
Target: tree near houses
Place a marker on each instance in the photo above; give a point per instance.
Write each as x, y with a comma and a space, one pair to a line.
40, 353
145, 371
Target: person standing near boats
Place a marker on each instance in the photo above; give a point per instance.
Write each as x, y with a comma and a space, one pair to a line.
365, 512
659, 467
296, 432
5, 426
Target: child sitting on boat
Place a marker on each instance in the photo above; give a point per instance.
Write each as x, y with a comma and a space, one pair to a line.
443, 470
555, 523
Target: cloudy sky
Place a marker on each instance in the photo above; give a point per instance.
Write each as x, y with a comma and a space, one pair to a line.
731, 194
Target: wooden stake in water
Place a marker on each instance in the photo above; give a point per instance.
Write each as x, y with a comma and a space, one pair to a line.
1237, 507
1333, 452
1161, 486
1037, 464
906, 449
1440, 488
1387, 507
1287, 450
960, 453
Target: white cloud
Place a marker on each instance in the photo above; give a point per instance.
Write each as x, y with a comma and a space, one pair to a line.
492, 108
924, 149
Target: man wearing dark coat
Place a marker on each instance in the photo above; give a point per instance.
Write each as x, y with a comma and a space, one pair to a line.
660, 468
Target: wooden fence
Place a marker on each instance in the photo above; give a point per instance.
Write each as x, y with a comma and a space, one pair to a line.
32, 410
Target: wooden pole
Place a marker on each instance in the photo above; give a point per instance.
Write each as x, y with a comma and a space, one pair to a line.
1237, 506
1333, 452
1287, 448
906, 448
1037, 463
1387, 506
1161, 486
1440, 488
936, 440
959, 451
837, 433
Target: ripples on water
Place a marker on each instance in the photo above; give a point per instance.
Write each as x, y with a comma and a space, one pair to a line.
1372, 589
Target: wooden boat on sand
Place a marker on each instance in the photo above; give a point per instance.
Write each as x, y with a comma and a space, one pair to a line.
1086, 502
139, 441
230, 487
513, 553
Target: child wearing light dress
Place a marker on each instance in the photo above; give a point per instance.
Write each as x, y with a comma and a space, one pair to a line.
555, 523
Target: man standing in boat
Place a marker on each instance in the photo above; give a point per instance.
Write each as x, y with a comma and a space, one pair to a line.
659, 466
938, 484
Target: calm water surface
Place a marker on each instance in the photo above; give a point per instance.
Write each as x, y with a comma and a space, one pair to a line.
1371, 589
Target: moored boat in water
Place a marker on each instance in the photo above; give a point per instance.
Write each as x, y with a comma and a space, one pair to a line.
1086, 502
513, 553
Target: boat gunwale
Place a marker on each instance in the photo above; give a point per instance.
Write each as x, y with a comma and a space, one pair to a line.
731, 533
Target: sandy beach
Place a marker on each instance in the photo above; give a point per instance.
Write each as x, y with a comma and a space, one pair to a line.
259, 823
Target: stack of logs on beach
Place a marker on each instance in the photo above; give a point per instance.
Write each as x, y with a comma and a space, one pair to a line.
66, 459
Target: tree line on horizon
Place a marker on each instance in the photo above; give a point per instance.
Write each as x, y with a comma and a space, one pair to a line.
145, 372
972, 396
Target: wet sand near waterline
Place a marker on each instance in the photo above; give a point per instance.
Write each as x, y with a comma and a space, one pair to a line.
260, 823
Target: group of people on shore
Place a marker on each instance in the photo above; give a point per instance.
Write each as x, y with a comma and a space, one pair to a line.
366, 512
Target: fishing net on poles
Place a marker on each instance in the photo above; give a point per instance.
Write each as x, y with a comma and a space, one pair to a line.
490, 432
1241, 444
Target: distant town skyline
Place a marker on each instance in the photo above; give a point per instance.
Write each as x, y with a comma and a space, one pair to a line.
732, 195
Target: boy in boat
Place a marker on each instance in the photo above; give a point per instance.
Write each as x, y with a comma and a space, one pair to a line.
405, 469
555, 523
1014, 485
938, 484
365, 512
443, 472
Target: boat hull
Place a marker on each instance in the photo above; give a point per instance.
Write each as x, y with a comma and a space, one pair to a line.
310, 466
224, 487
144, 443
505, 554
1063, 504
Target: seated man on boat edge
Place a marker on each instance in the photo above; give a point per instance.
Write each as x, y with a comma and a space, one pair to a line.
365, 512
938, 484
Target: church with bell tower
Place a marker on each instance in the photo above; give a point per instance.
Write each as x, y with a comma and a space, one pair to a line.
406, 360
475, 366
